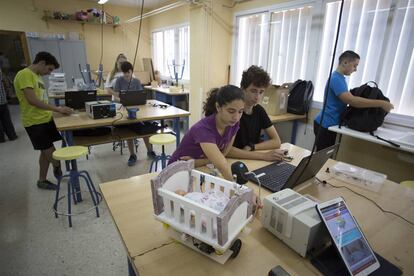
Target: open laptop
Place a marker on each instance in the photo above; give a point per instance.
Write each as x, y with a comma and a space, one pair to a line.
281, 175
77, 99
133, 97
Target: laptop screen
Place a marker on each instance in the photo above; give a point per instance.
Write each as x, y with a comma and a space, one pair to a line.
319, 158
137, 97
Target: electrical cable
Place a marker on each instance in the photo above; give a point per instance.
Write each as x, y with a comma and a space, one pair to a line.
325, 96
136, 48
102, 24
100, 69
367, 198
99, 200
259, 201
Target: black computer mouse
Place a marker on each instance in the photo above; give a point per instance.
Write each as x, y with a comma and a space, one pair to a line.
239, 169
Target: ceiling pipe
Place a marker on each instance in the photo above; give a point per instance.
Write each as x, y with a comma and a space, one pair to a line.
156, 11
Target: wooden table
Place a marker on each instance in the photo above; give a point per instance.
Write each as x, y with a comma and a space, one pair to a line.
164, 94
66, 124
167, 91
382, 132
146, 112
152, 252
288, 117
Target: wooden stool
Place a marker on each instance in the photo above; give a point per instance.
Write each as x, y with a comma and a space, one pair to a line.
161, 139
71, 154
408, 183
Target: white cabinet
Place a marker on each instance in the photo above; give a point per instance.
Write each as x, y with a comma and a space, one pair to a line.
69, 54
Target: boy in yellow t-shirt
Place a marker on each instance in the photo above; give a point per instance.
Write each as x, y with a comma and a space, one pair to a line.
36, 113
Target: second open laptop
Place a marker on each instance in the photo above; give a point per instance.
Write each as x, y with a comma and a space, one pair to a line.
133, 97
281, 175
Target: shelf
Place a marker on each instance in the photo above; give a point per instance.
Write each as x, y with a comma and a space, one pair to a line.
50, 19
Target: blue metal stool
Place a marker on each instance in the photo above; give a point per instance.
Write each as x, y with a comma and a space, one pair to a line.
71, 154
161, 139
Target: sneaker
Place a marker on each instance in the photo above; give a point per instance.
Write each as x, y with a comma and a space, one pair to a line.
151, 154
57, 171
132, 160
46, 185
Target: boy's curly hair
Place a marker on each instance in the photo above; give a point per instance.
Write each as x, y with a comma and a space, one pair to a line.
255, 75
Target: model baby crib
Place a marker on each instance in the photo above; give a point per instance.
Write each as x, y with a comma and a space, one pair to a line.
196, 225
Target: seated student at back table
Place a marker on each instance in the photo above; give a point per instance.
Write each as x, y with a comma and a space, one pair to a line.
338, 97
36, 114
122, 83
255, 119
210, 139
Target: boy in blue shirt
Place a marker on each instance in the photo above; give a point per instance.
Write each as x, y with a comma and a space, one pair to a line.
339, 97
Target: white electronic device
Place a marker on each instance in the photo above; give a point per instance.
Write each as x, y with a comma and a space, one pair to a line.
347, 237
358, 176
100, 109
292, 217
57, 84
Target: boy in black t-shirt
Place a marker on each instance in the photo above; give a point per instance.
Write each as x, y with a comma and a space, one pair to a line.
255, 119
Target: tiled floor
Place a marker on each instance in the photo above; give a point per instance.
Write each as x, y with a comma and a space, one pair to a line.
32, 240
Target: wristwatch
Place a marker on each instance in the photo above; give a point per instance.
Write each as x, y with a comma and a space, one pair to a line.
251, 145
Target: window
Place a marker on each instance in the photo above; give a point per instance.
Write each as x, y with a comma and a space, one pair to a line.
170, 48
295, 40
250, 43
289, 44
277, 40
380, 31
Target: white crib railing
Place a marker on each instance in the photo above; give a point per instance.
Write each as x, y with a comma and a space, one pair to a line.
217, 229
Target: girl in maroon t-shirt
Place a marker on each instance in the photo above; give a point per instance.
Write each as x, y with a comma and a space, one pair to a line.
211, 138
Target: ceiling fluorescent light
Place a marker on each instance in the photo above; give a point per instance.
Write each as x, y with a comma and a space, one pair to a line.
101, 2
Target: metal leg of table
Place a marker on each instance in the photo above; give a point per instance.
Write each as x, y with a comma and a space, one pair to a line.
185, 120
294, 130
176, 128
131, 271
338, 141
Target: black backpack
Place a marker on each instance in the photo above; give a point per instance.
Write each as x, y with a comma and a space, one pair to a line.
365, 119
300, 97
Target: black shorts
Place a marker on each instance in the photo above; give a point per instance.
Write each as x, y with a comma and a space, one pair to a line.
43, 135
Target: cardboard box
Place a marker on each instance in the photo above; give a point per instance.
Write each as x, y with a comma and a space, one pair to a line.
275, 99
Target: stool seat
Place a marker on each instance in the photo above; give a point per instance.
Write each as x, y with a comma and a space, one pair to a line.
162, 139
70, 153
408, 183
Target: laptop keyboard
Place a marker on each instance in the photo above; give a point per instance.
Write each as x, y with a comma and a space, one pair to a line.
276, 175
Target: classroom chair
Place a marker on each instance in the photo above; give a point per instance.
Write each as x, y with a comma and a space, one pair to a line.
71, 154
161, 139
408, 183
